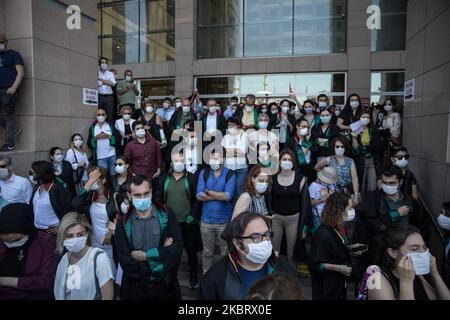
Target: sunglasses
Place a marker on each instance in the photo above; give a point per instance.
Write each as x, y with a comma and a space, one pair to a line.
401, 157
4, 166
339, 147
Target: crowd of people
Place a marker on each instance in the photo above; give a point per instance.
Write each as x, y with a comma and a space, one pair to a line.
277, 190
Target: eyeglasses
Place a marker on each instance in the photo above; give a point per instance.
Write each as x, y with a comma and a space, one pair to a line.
339, 147
258, 237
400, 157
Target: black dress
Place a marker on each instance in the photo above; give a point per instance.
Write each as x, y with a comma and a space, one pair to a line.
419, 290
328, 247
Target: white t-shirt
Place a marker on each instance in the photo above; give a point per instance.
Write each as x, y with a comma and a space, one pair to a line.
78, 156
239, 141
104, 149
99, 219
44, 215
109, 76
77, 281
16, 189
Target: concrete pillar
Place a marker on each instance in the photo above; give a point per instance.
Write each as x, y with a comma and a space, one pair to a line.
427, 119
58, 63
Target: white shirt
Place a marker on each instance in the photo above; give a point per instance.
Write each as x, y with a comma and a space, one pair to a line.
16, 189
68, 288
394, 123
165, 113
44, 215
99, 219
73, 156
239, 141
106, 75
104, 149
211, 122
314, 193
191, 159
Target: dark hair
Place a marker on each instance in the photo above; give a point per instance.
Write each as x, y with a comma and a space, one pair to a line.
398, 149
236, 121
393, 237
135, 124
346, 144
446, 207
74, 135
327, 110
234, 98
123, 158
291, 153
104, 174
276, 286
365, 111
254, 172
309, 101
285, 100
53, 150
102, 58
168, 99
44, 171
321, 96
138, 180
250, 96
240, 223
391, 171
392, 100
128, 70
332, 214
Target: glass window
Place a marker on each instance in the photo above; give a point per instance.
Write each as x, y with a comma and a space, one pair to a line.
137, 31
252, 28
319, 26
387, 84
274, 87
157, 89
392, 35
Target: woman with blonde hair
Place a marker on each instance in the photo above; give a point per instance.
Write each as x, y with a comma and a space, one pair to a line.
77, 156
84, 272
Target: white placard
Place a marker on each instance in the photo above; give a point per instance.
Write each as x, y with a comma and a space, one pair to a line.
90, 97
410, 89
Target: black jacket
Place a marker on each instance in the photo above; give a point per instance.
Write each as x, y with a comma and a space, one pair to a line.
60, 199
222, 281
66, 176
168, 258
192, 181
221, 123
120, 190
83, 202
376, 150
175, 119
316, 133
328, 247
306, 169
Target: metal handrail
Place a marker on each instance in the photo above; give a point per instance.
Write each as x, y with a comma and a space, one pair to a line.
431, 216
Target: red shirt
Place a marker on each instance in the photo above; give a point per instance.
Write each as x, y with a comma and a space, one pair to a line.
145, 158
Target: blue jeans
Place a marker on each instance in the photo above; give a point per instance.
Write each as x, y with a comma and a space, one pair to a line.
241, 175
107, 163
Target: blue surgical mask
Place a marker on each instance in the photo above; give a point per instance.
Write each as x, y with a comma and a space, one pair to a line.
142, 205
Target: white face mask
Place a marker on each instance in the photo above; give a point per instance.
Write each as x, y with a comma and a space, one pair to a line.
308, 109
75, 245
129, 78
259, 252
232, 130
444, 222
354, 104
4, 173
212, 110
124, 208
264, 110
104, 66
350, 215
365, 121
337, 113
165, 105
16, 244
178, 167
78, 143
325, 119
285, 109
59, 158
2, 47
286, 165
101, 119
95, 186
322, 104
192, 141
32, 180
126, 117
186, 109
274, 111
215, 165
140, 133
261, 187
263, 124
421, 262
248, 108
119, 169
149, 109
178, 104
390, 190
339, 151
304, 132
401, 163
388, 108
